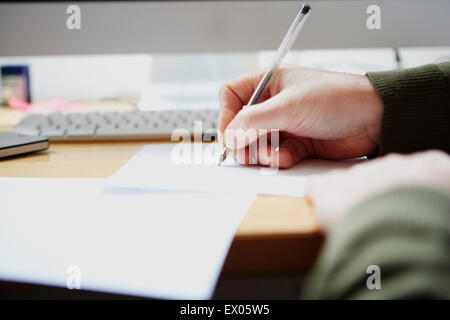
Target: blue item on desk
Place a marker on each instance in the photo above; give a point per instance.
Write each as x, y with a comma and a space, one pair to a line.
15, 83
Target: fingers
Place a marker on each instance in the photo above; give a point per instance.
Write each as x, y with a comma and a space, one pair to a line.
229, 105
233, 96
256, 154
290, 152
253, 121
293, 150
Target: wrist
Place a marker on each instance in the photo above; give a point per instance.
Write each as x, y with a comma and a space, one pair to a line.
373, 108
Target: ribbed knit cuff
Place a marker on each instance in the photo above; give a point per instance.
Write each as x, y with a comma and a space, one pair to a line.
416, 109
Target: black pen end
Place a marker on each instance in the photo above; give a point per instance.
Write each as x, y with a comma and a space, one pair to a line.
305, 8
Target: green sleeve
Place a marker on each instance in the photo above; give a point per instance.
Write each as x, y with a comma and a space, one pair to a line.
416, 108
406, 232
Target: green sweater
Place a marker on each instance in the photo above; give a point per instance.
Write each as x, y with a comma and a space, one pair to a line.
404, 232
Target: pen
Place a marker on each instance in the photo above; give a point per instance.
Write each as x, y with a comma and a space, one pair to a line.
285, 45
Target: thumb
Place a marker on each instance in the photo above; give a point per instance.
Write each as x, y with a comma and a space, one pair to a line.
255, 120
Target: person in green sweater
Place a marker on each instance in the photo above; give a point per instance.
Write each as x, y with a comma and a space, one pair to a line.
387, 220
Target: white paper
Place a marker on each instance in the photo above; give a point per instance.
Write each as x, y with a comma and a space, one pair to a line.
183, 167
152, 245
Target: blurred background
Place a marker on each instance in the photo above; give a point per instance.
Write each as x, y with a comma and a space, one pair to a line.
175, 54
158, 81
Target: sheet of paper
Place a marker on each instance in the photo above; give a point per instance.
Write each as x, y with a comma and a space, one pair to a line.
59, 231
193, 167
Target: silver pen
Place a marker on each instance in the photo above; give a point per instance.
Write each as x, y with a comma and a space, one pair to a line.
285, 46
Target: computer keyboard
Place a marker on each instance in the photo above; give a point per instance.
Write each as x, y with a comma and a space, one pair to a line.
132, 125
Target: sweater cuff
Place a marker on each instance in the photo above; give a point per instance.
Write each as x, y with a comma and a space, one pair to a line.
416, 108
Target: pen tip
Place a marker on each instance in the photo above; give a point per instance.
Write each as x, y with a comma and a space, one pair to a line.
223, 156
220, 160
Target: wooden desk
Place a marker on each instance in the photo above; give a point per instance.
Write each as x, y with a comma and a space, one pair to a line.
279, 234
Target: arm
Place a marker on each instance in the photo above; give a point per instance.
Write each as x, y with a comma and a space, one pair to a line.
392, 212
416, 108
406, 232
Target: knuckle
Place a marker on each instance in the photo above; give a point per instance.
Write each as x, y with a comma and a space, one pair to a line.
223, 89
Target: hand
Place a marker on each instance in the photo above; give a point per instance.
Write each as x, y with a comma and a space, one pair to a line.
320, 114
333, 194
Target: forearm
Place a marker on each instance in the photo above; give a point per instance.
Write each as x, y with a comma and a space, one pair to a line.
406, 232
416, 108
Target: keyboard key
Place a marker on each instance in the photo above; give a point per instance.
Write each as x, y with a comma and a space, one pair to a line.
27, 131
52, 132
33, 119
81, 131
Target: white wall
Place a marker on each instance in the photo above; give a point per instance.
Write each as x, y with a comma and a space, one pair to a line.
187, 80
86, 77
